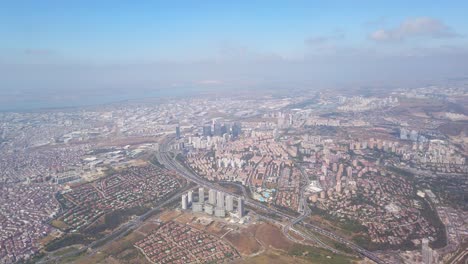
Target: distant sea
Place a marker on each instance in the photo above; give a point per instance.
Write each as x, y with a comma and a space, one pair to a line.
25, 102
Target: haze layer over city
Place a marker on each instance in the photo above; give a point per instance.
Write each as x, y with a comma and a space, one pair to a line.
244, 132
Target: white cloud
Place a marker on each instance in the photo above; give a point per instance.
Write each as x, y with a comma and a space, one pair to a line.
415, 27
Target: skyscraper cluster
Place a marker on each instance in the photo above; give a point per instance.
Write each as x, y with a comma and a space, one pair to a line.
220, 129
218, 203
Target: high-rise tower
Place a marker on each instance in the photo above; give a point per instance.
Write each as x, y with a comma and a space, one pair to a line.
201, 195
184, 202
212, 197
240, 207
229, 203
220, 200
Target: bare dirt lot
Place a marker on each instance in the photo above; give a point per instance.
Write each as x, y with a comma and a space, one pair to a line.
244, 241
271, 236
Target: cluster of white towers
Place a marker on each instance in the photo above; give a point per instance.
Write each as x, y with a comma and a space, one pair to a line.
218, 203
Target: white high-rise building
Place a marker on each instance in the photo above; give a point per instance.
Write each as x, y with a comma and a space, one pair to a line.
201, 195
184, 202
220, 200
190, 197
240, 207
229, 203
212, 197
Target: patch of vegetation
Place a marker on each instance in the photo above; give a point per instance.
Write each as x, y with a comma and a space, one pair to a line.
64, 251
342, 247
71, 259
120, 233
365, 242
123, 248
32, 260
154, 160
128, 255
286, 210
349, 226
68, 240
451, 190
318, 255
353, 226
64, 203
180, 158
59, 224
113, 219
402, 172
434, 220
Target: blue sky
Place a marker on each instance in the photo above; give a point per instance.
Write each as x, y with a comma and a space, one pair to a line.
183, 30
113, 45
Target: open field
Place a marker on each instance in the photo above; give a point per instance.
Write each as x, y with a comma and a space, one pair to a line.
259, 242
119, 251
272, 257
272, 237
244, 241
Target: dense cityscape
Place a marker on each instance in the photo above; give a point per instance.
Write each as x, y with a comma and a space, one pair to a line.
233, 132
353, 167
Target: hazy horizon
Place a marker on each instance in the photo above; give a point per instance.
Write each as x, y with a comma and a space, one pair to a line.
74, 51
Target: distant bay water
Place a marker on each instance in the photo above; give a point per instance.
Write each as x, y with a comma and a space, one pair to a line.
36, 100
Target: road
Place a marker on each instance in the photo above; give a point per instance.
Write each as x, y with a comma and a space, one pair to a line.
460, 257
305, 212
115, 234
289, 225
165, 158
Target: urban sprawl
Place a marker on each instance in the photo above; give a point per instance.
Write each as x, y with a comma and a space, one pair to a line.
383, 175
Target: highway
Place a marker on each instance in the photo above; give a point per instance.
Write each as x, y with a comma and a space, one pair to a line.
165, 158
289, 226
460, 257
115, 234
305, 212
